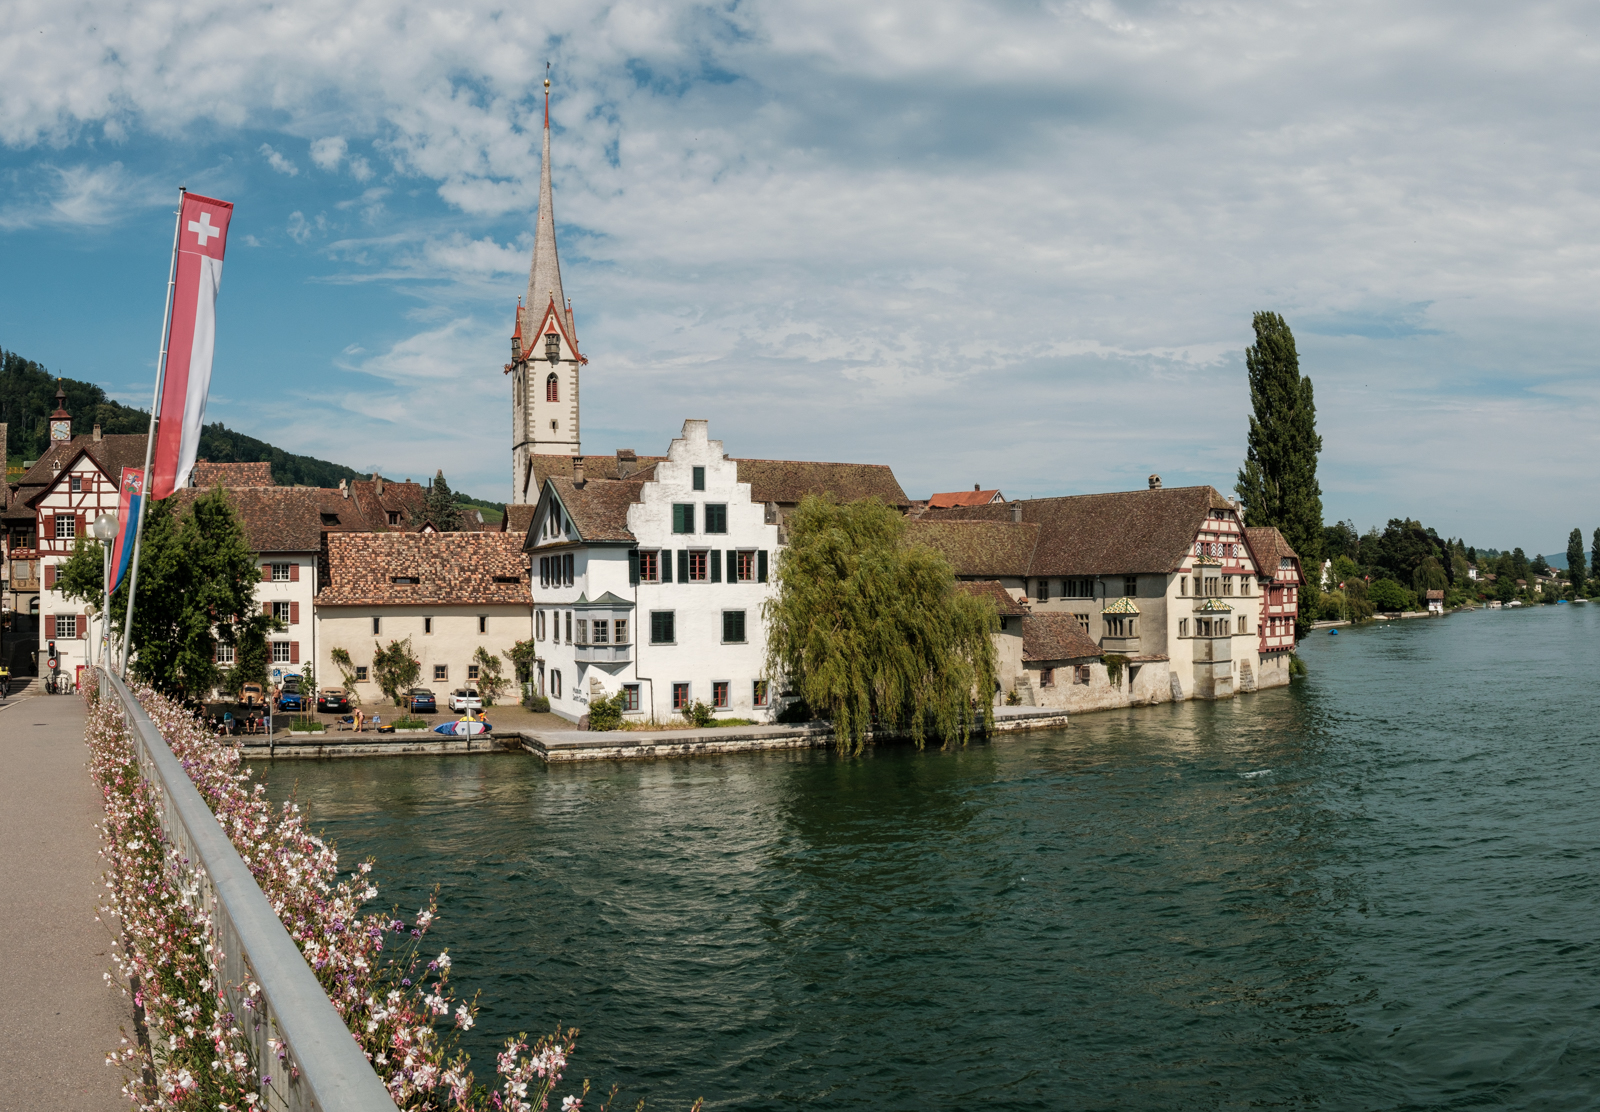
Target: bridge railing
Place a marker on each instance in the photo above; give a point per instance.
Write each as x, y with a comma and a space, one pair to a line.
322, 1068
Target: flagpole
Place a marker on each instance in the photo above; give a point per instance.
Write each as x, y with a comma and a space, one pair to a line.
150, 439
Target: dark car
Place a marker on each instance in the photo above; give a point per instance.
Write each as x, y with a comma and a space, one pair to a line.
291, 700
421, 702
333, 700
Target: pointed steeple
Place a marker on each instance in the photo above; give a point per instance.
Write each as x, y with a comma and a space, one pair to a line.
544, 277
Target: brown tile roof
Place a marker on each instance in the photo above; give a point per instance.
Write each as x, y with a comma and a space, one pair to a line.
1436, 593
1269, 546
208, 475
1055, 637
594, 467
406, 499
1103, 534
789, 481
518, 519
460, 568
599, 508
978, 548
110, 453
1004, 604
276, 519
963, 498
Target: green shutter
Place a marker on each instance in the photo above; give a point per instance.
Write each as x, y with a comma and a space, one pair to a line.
733, 566
633, 567
683, 565
761, 566
664, 560
715, 560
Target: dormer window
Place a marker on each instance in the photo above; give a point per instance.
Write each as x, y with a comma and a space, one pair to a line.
552, 391
394, 517
552, 347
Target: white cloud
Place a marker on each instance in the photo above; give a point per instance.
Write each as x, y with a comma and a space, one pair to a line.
277, 161
301, 229
328, 152
75, 197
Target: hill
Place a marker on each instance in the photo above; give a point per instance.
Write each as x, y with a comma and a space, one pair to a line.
27, 397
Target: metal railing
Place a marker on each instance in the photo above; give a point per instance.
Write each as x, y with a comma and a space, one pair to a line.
321, 1068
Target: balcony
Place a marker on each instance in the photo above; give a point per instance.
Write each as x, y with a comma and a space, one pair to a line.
1127, 646
602, 654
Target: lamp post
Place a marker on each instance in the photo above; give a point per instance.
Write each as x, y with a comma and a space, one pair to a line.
104, 530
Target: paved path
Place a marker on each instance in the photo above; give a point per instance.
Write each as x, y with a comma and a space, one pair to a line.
58, 1017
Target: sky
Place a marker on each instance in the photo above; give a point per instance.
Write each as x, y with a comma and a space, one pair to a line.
1009, 244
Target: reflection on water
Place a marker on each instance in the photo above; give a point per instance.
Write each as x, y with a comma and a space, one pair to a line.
1375, 890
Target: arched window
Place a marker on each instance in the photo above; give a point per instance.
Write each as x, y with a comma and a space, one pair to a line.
552, 388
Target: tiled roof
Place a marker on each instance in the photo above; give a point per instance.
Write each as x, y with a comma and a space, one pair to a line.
598, 509
963, 498
1122, 605
276, 519
789, 481
978, 548
1213, 606
594, 467
518, 519
208, 474
1103, 534
406, 499
1269, 546
1004, 604
110, 453
1055, 637
1436, 593
461, 568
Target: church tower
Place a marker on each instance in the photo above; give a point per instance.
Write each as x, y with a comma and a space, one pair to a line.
544, 353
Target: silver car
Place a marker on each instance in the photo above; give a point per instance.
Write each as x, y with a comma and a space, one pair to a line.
465, 699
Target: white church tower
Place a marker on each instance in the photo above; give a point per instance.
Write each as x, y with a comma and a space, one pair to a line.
544, 353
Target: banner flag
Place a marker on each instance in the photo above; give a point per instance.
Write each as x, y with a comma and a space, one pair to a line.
202, 236
127, 517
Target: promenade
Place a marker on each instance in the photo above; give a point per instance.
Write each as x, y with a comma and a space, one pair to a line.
58, 1016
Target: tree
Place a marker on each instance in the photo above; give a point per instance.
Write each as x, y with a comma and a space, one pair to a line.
1429, 576
1388, 595
197, 580
395, 669
872, 633
1575, 565
1356, 600
440, 506
491, 680
1340, 539
1519, 564
1278, 483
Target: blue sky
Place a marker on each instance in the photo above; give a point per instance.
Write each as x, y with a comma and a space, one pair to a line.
1007, 243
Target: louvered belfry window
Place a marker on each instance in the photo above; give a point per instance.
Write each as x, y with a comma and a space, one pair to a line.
552, 346
552, 388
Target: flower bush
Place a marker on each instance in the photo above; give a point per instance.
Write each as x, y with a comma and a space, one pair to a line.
191, 1050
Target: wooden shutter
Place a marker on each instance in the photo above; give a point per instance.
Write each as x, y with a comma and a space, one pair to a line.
47, 528
633, 567
49, 577
294, 612
664, 559
82, 530
683, 565
294, 652
294, 574
733, 566
266, 573
761, 566
49, 627
715, 560
83, 627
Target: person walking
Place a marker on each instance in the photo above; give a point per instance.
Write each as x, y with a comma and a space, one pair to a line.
361, 720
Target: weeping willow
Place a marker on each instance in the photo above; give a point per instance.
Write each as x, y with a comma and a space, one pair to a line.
873, 634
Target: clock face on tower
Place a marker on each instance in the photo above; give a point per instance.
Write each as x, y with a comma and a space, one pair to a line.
60, 430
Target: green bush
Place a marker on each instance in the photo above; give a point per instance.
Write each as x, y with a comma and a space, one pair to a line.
536, 703
1386, 594
1297, 667
1333, 607
700, 713
408, 724
606, 714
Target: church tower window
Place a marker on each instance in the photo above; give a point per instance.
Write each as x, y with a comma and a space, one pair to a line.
552, 347
552, 388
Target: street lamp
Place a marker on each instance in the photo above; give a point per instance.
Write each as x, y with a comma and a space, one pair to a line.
104, 530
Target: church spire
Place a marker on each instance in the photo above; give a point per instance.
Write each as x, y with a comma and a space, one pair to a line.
544, 277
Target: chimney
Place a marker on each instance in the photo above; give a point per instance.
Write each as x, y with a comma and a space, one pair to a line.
1016, 511
976, 487
97, 434
377, 484
1155, 482
627, 462
344, 488
577, 471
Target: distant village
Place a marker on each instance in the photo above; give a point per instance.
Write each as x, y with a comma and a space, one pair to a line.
644, 576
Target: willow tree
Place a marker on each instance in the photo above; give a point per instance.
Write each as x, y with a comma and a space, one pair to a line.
872, 633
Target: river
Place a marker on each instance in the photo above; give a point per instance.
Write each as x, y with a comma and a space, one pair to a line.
1374, 890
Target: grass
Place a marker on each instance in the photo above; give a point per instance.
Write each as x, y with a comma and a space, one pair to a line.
685, 724
409, 723
305, 726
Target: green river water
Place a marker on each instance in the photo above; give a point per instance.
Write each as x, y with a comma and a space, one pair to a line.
1375, 890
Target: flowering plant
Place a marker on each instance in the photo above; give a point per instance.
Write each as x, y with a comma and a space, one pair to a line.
192, 1047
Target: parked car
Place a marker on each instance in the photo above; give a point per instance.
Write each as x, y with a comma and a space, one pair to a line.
250, 695
291, 700
421, 701
333, 700
465, 699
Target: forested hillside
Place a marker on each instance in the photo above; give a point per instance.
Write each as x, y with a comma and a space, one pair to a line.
27, 397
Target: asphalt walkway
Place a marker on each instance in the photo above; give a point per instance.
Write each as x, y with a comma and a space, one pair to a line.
58, 1016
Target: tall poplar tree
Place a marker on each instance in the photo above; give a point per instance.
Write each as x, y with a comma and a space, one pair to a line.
1594, 555
1575, 568
1278, 482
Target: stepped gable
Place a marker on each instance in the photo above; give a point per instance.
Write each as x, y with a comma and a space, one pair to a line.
361, 569
1122, 533
979, 549
1004, 604
275, 519
1269, 547
1056, 637
110, 453
208, 475
598, 509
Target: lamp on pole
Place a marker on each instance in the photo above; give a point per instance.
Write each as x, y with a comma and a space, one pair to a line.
104, 530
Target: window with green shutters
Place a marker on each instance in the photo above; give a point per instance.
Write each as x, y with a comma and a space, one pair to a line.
761, 566
683, 517
716, 517
733, 626
699, 478
661, 627
716, 566
683, 565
